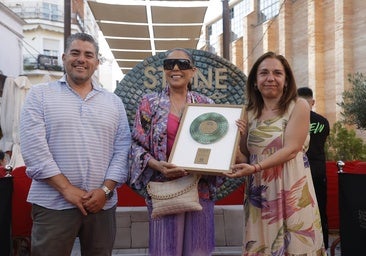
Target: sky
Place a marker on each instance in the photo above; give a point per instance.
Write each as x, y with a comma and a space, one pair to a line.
110, 70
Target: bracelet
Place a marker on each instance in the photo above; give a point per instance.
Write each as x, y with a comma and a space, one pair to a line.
255, 168
260, 167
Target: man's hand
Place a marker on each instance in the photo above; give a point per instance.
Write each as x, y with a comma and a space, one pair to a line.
75, 196
94, 200
72, 194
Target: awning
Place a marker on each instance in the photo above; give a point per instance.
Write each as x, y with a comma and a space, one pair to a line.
136, 30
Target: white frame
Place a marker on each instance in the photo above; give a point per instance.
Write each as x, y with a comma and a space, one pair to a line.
222, 152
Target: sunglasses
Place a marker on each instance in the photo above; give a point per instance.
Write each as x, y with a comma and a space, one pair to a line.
183, 64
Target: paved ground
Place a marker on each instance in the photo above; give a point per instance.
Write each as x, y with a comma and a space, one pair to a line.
220, 251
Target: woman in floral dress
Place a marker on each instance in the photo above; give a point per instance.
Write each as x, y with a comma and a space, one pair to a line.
280, 208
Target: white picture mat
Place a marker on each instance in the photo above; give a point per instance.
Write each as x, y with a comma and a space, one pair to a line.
222, 151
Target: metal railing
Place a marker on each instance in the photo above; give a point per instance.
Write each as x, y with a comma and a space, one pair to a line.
41, 62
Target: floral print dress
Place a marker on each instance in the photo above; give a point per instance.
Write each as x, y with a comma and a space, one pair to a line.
281, 215
186, 234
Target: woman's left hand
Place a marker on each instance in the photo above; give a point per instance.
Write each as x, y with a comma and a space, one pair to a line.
242, 125
240, 170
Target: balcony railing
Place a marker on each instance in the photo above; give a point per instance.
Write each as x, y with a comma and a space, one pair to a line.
41, 62
38, 10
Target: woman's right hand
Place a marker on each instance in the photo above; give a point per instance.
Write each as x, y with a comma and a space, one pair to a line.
170, 170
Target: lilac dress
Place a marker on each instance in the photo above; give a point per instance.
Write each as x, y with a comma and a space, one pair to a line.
190, 233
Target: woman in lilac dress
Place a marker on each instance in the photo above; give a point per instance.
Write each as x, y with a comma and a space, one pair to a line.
156, 125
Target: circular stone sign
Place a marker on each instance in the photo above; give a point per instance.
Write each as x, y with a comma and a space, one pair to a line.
216, 78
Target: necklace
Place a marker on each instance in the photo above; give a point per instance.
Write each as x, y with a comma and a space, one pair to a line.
178, 110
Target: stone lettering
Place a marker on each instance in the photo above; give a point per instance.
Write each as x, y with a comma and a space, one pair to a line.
199, 80
219, 77
151, 82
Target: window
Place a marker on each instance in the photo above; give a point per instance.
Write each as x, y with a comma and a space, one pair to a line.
237, 13
209, 30
268, 9
51, 12
215, 30
51, 48
50, 52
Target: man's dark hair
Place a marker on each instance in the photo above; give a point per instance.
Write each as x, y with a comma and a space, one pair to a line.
305, 92
83, 37
2, 155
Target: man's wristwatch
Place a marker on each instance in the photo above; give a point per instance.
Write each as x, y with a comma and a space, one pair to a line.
107, 191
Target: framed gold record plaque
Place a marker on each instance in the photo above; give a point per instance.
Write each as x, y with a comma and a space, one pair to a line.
207, 138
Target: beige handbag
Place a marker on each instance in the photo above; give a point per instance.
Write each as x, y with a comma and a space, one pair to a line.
175, 196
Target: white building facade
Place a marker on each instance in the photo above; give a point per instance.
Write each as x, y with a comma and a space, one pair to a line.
11, 32
40, 38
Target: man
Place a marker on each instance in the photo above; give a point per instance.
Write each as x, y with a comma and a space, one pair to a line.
319, 131
75, 140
